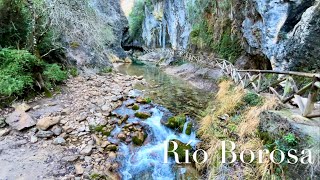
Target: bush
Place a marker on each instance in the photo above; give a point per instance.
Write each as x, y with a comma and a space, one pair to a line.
252, 99
19, 70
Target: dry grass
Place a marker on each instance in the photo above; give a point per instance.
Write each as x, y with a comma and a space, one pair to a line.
229, 101
250, 121
226, 102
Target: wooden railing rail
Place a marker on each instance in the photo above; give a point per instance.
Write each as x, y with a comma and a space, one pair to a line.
286, 85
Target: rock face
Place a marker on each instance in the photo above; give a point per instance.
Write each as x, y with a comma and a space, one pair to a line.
92, 31
20, 120
166, 24
286, 32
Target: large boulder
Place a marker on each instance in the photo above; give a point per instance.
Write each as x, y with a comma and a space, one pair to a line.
20, 120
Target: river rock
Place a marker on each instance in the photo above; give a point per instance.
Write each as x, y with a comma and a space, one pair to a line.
122, 136
46, 122
142, 115
69, 158
44, 134
138, 138
112, 147
86, 150
4, 132
22, 107
79, 169
20, 120
59, 141
57, 130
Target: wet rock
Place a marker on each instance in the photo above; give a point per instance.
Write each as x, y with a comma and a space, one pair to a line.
46, 122
139, 138
142, 115
135, 107
59, 141
143, 100
87, 150
189, 128
112, 147
122, 136
180, 150
44, 134
176, 122
123, 119
20, 120
4, 132
69, 158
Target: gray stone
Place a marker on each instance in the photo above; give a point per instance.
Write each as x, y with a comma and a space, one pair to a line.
86, 150
2, 122
57, 130
33, 139
59, 141
46, 122
20, 120
4, 132
44, 134
69, 158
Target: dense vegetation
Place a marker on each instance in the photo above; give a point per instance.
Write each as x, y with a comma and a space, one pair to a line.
29, 55
136, 19
213, 29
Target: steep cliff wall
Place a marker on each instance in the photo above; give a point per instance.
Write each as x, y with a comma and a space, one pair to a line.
90, 30
166, 24
286, 32
278, 34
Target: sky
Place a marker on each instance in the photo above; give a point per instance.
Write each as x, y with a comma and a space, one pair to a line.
127, 6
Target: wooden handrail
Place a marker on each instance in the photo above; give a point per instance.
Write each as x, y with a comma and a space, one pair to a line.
256, 81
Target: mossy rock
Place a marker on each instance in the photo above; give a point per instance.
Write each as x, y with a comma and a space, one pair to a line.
146, 100
181, 150
139, 138
112, 147
142, 115
177, 122
101, 129
135, 107
189, 128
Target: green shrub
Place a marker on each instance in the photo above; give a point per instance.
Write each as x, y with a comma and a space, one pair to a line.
19, 70
136, 18
252, 99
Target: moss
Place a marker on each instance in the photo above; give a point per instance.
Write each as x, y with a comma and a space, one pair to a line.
106, 70
101, 129
74, 45
252, 99
135, 107
176, 122
189, 128
181, 150
142, 115
146, 100
73, 72
96, 176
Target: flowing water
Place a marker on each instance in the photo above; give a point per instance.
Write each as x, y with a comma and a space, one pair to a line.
170, 96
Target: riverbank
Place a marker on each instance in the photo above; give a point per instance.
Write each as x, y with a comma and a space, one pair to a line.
52, 137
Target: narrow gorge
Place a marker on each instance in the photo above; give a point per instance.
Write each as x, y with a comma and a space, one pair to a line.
159, 89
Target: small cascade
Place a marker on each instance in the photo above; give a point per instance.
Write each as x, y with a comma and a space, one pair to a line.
147, 161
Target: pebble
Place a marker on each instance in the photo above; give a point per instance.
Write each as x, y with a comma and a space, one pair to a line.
44, 134
33, 139
86, 150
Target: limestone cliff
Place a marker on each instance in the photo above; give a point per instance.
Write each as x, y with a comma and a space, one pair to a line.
91, 31
166, 24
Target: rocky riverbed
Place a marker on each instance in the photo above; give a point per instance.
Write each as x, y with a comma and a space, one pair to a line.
64, 137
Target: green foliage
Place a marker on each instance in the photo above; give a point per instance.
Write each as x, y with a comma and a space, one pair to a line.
14, 24
53, 73
135, 107
290, 139
136, 18
73, 71
252, 99
19, 70
16, 67
106, 70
